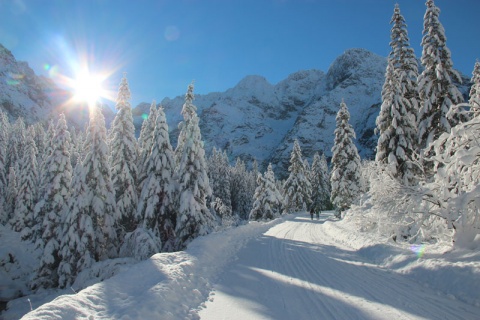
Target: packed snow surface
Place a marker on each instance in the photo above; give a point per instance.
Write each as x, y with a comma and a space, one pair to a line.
290, 268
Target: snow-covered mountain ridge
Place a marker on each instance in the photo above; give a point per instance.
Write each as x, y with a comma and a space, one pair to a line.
256, 119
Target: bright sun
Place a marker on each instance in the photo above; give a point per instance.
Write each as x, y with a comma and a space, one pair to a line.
88, 88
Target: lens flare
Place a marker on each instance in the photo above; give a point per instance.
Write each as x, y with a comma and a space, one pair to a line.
172, 33
14, 79
144, 116
419, 250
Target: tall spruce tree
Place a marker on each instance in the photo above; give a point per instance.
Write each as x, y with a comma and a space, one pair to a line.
49, 209
325, 183
475, 90
437, 90
404, 61
77, 247
189, 111
16, 144
23, 220
297, 187
123, 159
156, 207
320, 182
43, 141
219, 177
11, 194
396, 121
345, 178
242, 189
268, 202
3, 172
100, 195
145, 142
194, 218
76, 151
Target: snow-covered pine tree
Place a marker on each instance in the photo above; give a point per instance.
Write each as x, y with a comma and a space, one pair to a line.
40, 139
76, 151
78, 241
145, 142
16, 143
194, 218
384, 118
396, 126
326, 204
3, 173
48, 210
308, 169
219, 177
268, 202
23, 220
396, 121
11, 194
405, 63
438, 93
213, 173
320, 182
189, 110
258, 209
123, 161
475, 90
297, 187
156, 206
345, 178
100, 200
274, 196
241, 189
44, 148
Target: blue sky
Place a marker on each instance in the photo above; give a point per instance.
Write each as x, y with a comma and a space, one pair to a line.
164, 45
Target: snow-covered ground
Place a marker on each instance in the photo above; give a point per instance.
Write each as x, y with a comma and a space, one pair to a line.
290, 268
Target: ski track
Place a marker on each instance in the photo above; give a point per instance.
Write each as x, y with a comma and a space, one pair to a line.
295, 271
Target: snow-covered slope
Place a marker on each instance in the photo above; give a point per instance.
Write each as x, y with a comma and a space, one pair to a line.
22, 93
289, 268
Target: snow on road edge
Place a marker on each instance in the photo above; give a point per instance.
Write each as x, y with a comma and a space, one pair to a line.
179, 282
453, 272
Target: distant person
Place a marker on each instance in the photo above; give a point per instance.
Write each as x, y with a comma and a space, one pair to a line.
318, 214
311, 213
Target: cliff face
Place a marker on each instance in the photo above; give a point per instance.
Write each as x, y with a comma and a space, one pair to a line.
22, 93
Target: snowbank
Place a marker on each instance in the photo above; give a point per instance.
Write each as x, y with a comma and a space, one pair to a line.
166, 286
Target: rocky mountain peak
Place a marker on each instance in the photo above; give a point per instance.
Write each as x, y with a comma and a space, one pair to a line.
352, 64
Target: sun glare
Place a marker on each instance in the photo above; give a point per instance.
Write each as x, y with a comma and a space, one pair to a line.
88, 88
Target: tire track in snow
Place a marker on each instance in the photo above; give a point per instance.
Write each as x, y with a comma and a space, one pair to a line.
379, 280
301, 273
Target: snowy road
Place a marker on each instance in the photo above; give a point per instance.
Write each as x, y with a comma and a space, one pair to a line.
295, 271
289, 268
